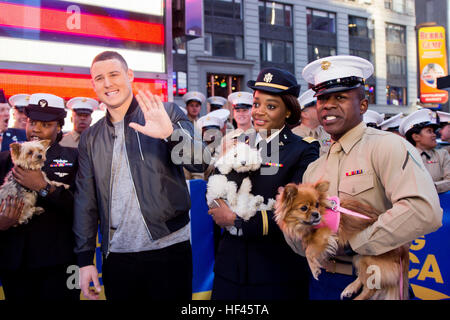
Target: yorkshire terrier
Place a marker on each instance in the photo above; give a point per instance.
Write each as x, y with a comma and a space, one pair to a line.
301, 211
29, 155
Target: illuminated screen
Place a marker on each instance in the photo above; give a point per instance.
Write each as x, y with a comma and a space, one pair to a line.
72, 33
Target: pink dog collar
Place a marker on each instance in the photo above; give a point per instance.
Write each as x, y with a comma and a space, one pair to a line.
332, 215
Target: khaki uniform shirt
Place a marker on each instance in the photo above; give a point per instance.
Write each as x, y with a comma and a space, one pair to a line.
237, 132
317, 133
384, 171
70, 139
437, 162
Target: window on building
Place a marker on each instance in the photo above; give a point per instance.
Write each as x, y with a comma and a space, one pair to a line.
208, 43
223, 8
321, 20
277, 51
396, 95
224, 45
274, 13
395, 33
396, 65
363, 54
316, 52
395, 5
360, 27
223, 84
398, 6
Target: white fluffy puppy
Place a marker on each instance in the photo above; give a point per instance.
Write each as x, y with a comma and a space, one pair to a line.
233, 184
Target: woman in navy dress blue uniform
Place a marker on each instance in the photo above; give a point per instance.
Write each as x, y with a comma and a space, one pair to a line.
257, 263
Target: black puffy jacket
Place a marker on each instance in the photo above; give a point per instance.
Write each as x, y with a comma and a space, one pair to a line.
159, 183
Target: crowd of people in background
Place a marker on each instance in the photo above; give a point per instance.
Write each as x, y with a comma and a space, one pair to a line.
123, 178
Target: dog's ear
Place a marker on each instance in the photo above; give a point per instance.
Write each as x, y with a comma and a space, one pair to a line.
289, 193
15, 150
46, 143
322, 186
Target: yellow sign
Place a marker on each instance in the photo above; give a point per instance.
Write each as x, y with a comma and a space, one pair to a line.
432, 63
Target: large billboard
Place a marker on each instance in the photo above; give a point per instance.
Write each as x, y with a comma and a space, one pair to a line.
432, 63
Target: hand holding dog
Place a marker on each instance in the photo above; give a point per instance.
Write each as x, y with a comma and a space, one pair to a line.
222, 215
31, 179
157, 121
10, 210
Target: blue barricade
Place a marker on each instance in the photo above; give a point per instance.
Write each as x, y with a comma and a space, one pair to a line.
429, 270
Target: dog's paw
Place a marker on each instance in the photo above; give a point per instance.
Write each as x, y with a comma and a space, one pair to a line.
314, 266
38, 210
351, 289
346, 294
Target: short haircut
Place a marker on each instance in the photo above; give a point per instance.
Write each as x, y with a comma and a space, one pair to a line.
362, 92
109, 55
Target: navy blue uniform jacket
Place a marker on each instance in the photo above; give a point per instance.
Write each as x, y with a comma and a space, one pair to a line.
261, 255
47, 239
12, 135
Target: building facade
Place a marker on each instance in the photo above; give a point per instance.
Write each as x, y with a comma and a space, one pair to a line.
242, 37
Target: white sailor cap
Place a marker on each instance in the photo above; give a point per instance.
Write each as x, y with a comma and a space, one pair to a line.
307, 99
214, 119
444, 117
194, 95
216, 102
337, 73
45, 107
82, 105
421, 118
371, 116
19, 101
391, 123
241, 100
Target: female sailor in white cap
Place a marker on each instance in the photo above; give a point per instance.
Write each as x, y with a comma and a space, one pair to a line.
19, 102
242, 107
82, 109
419, 128
193, 101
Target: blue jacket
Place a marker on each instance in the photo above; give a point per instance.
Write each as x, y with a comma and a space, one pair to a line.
12, 135
261, 256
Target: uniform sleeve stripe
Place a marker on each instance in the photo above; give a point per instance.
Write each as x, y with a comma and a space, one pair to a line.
265, 222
